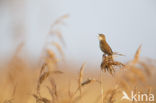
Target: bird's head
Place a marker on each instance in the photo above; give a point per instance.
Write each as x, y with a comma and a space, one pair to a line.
101, 37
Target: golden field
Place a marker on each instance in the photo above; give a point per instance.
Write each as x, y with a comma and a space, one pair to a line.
50, 82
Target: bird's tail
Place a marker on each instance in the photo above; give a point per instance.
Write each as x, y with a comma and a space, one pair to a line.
116, 53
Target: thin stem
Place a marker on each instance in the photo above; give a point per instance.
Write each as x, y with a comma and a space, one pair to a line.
101, 86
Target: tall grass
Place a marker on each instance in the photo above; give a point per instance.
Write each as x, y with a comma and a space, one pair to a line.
47, 83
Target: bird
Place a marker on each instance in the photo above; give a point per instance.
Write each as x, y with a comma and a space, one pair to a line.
104, 46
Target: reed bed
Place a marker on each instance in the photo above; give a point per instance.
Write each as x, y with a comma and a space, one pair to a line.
48, 83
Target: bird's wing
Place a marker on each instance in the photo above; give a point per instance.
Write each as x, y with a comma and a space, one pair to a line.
108, 47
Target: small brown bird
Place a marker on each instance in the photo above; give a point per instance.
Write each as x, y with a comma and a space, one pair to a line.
104, 45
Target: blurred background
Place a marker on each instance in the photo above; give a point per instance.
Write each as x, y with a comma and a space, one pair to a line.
126, 24
49, 50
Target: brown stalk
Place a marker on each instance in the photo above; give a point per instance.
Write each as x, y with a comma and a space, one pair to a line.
136, 57
81, 77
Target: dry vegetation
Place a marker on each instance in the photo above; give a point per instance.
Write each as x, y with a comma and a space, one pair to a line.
47, 83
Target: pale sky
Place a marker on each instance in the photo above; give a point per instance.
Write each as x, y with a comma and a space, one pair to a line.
126, 24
